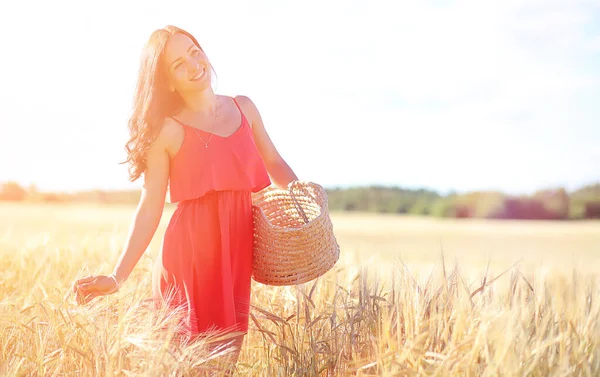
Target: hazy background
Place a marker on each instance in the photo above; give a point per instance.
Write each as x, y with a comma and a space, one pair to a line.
447, 95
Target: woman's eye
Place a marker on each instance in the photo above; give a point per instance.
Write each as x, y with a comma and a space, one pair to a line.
195, 52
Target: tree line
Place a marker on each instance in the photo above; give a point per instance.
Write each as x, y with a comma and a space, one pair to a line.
548, 204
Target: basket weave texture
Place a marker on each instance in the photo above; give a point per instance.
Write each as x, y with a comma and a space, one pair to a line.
294, 241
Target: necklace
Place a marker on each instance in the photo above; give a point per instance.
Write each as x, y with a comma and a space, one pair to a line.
211, 130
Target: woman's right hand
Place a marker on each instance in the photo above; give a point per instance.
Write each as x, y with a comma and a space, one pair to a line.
90, 287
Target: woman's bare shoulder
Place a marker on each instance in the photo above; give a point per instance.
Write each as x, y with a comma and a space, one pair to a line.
170, 128
244, 101
170, 136
248, 107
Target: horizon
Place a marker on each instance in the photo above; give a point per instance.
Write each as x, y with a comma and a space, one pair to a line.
455, 96
327, 187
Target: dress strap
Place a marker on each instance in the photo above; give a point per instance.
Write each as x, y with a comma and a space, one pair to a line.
240, 109
238, 106
178, 121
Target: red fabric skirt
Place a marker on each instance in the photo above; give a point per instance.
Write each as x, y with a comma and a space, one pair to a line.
205, 264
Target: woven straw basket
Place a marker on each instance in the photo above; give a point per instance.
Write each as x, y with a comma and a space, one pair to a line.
293, 235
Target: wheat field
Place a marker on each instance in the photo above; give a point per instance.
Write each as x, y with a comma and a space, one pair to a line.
408, 297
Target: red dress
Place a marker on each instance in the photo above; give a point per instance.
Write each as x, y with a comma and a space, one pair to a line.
205, 263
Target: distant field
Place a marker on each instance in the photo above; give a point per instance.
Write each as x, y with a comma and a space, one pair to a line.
539, 320
418, 240
473, 242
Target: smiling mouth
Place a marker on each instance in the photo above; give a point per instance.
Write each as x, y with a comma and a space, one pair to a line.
198, 75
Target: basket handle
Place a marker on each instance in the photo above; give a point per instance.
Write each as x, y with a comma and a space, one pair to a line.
296, 204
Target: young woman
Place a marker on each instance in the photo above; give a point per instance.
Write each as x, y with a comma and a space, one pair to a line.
210, 152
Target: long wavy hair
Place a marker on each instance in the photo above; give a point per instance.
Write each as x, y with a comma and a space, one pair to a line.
153, 101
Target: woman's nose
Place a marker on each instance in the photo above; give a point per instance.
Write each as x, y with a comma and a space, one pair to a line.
193, 65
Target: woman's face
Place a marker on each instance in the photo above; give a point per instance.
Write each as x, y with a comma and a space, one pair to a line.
187, 66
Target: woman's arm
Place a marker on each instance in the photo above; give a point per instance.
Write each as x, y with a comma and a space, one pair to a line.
281, 173
144, 225
149, 210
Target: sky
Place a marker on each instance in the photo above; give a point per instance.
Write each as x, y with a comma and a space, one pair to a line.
446, 95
